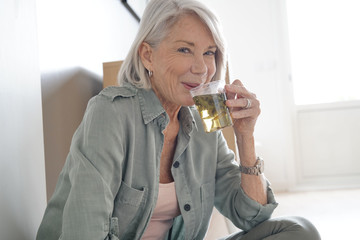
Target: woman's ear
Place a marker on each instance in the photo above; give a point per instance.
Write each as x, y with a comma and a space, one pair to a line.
145, 53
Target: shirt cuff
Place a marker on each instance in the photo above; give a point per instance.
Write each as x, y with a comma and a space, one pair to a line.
257, 213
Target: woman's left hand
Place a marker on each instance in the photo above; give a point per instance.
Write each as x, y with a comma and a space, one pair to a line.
244, 108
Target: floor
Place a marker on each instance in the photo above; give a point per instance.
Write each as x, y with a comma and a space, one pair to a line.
335, 213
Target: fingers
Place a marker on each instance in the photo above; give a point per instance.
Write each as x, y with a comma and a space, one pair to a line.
244, 107
239, 97
245, 113
242, 103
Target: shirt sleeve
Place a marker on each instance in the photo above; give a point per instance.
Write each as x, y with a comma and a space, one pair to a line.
230, 199
82, 204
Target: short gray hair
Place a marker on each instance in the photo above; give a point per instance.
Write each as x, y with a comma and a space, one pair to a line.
159, 16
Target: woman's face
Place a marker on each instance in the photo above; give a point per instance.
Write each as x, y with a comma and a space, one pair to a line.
182, 61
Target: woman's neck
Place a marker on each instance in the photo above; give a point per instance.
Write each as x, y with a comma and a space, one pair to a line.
170, 108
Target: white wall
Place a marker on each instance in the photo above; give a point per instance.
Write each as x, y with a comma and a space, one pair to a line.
22, 178
83, 33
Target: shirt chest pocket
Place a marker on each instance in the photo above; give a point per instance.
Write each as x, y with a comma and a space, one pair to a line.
128, 204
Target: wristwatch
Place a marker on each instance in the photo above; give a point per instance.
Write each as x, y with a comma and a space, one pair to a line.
256, 170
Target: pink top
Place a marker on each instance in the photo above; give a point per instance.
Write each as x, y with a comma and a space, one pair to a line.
165, 210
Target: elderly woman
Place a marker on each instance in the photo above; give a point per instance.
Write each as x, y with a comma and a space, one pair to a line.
141, 165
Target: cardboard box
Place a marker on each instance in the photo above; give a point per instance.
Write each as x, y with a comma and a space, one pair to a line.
110, 72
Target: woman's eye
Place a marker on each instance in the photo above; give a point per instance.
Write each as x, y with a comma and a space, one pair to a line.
184, 50
209, 53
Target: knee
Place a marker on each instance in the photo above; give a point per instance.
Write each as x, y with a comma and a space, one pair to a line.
304, 228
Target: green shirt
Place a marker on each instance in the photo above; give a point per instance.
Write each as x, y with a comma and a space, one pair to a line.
109, 184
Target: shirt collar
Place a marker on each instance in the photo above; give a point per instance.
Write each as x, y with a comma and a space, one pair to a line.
150, 105
187, 120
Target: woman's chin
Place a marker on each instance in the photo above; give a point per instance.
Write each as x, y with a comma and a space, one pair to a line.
188, 100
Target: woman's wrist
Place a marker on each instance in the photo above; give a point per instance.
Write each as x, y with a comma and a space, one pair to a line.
244, 137
246, 146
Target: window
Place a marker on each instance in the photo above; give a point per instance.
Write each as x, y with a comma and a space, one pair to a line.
324, 40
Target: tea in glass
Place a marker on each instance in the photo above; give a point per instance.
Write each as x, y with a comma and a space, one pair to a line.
213, 111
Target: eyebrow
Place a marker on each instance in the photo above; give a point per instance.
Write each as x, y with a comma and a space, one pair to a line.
193, 44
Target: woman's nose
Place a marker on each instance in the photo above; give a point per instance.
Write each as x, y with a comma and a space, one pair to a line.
199, 66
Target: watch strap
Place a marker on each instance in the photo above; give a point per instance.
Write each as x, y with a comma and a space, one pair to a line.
256, 170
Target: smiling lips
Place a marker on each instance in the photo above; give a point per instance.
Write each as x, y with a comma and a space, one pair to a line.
189, 86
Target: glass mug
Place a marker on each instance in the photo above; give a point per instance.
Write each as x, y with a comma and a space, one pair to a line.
210, 101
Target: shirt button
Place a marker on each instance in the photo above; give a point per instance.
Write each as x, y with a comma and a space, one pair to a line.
176, 164
187, 207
